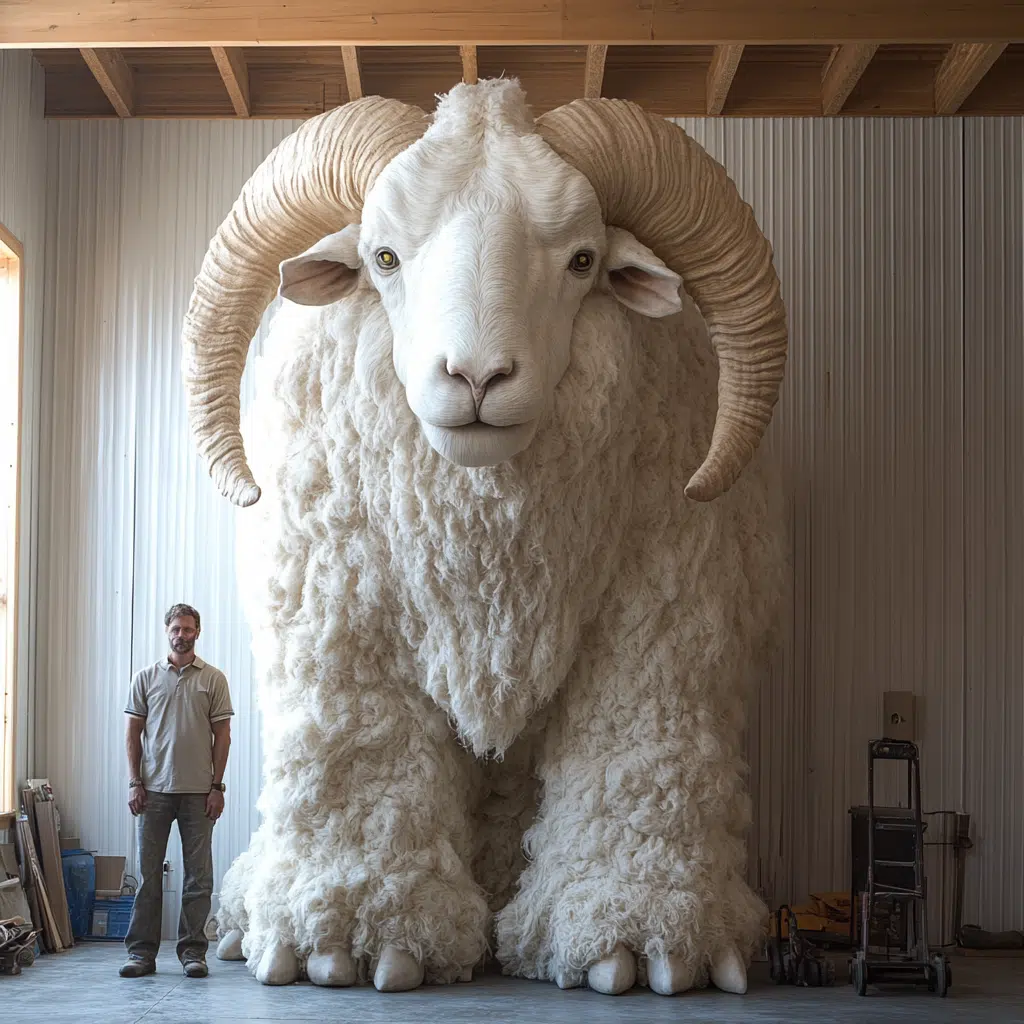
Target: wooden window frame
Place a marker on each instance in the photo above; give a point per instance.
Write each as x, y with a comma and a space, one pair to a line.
12, 251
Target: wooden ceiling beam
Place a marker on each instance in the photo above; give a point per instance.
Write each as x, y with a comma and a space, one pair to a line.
235, 74
841, 74
353, 77
470, 74
962, 69
231, 23
593, 74
722, 70
115, 78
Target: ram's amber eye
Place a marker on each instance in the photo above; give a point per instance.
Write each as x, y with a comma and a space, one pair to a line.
386, 259
581, 263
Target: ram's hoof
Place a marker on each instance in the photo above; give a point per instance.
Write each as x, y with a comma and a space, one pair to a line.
615, 974
668, 975
278, 965
728, 972
332, 968
230, 947
397, 971
569, 979
466, 974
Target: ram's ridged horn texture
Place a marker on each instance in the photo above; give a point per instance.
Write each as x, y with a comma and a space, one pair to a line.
312, 184
654, 180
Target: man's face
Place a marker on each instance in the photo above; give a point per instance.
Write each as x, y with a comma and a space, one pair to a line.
182, 634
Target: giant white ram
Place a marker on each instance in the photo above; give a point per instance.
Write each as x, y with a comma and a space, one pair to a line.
515, 561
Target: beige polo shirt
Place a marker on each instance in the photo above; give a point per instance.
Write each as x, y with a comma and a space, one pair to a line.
180, 709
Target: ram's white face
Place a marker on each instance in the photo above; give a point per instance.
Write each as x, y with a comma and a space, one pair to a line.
482, 249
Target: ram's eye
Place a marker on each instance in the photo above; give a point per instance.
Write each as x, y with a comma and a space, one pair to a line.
386, 259
581, 263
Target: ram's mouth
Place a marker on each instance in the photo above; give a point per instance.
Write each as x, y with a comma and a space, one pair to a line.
479, 443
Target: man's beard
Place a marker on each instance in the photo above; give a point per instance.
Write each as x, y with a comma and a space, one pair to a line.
183, 645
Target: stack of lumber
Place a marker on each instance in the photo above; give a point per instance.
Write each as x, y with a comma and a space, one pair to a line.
38, 840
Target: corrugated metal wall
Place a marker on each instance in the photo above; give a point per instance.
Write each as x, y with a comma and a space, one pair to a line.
993, 361
900, 245
23, 213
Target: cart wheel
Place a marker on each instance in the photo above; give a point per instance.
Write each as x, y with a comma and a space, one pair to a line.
860, 977
942, 978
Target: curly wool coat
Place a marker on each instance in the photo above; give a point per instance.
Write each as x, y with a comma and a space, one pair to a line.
459, 665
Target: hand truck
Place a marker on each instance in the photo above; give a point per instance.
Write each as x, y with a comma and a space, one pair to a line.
888, 881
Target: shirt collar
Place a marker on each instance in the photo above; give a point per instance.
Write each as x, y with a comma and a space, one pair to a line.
197, 663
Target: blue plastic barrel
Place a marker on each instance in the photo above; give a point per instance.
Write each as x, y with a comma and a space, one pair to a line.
80, 884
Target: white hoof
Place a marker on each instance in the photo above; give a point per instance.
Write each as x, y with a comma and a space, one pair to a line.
466, 974
397, 971
668, 975
615, 974
230, 947
278, 965
728, 972
333, 968
569, 979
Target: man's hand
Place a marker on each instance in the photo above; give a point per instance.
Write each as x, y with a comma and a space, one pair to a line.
214, 804
137, 799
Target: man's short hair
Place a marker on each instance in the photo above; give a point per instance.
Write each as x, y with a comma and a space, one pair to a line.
178, 611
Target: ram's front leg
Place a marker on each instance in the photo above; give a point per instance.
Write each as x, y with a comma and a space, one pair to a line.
637, 855
361, 865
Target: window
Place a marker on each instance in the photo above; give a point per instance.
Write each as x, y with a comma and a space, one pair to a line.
11, 316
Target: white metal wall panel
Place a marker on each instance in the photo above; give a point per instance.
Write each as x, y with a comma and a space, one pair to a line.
23, 213
87, 583
867, 219
993, 707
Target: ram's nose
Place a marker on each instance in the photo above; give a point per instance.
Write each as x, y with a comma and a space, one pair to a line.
479, 376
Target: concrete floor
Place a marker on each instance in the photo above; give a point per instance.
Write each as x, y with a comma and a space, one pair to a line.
82, 986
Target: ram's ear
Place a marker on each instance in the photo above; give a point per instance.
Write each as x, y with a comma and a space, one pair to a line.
324, 273
638, 279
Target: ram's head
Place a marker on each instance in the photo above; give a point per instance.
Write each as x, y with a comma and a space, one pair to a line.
482, 234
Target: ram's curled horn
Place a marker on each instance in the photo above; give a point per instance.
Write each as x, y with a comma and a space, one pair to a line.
312, 184
655, 181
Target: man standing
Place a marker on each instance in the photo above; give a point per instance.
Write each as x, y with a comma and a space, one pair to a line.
178, 734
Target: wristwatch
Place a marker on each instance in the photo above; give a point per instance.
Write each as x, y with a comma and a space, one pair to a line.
219, 786
132, 783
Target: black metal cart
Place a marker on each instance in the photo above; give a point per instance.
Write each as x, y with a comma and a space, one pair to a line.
896, 880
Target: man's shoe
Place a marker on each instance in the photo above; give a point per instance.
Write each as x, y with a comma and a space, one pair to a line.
195, 968
136, 967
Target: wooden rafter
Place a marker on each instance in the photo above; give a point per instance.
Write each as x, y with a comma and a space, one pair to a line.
100, 23
722, 70
963, 68
235, 74
842, 72
353, 78
469, 67
593, 74
670, 81
115, 78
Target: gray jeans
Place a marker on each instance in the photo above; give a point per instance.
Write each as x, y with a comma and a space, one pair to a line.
153, 827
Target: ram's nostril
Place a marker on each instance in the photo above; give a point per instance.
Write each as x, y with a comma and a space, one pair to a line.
479, 380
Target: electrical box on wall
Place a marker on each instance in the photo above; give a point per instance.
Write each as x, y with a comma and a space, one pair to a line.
899, 721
